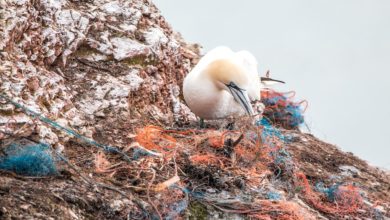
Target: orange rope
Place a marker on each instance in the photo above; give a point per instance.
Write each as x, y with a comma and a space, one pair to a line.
348, 199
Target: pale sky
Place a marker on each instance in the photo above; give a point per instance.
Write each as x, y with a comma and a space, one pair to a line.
335, 54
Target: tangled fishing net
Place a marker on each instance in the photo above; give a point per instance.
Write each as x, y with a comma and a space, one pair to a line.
282, 110
339, 199
30, 160
247, 171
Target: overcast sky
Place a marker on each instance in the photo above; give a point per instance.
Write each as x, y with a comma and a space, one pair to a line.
335, 54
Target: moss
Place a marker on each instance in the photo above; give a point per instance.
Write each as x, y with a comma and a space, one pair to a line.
7, 110
299, 189
85, 51
197, 210
140, 60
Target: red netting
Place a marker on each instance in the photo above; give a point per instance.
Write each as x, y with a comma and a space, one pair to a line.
282, 110
347, 199
154, 138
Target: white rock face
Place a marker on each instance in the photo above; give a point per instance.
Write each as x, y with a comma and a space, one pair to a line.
133, 80
126, 48
155, 37
112, 8
77, 65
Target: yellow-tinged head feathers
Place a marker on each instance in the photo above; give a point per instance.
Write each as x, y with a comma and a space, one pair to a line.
224, 71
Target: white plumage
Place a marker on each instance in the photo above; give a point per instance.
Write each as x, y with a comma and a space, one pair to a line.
223, 84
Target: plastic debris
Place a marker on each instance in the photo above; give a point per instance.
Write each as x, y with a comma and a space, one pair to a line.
31, 160
346, 199
153, 138
177, 208
281, 109
217, 161
274, 196
330, 192
167, 183
69, 131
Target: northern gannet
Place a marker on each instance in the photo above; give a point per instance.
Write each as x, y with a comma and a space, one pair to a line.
223, 84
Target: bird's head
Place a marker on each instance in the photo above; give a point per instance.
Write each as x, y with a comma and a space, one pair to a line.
229, 75
224, 71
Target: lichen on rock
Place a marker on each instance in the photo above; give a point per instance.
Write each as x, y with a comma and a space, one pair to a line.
58, 58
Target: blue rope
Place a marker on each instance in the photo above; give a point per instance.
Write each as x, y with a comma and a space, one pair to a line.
274, 196
30, 160
330, 192
69, 131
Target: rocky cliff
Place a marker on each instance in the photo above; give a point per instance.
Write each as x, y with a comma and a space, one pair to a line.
91, 79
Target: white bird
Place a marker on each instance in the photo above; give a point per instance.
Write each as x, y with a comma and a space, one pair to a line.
223, 84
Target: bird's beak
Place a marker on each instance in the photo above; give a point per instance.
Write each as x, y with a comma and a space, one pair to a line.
269, 81
241, 96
